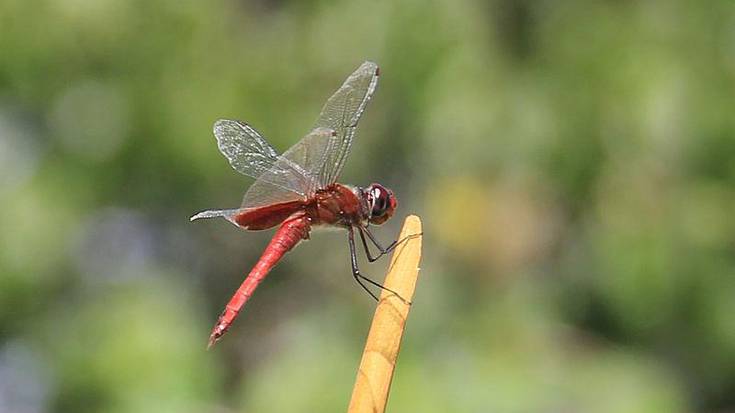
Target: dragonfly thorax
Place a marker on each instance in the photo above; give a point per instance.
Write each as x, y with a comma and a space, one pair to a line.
339, 205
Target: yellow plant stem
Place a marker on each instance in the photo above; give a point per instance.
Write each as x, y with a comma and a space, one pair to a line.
375, 374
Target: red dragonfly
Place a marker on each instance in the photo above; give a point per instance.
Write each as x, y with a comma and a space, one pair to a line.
297, 190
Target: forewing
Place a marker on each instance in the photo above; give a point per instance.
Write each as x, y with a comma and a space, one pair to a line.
297, 168
314, 162
247, 151
312, 153
250, 154
269, 188
341, 113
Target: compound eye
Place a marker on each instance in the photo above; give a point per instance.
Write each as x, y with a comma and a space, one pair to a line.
380, 202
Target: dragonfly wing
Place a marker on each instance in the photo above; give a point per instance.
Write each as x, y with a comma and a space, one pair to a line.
263, 193
341, 113
250, 154
311, 153
278, 179
294, 169
246, 150
313, 163
228, 214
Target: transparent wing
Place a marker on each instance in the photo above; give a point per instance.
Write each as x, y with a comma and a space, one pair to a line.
314, 162
289, 178
250, 154
341, 114
297, 168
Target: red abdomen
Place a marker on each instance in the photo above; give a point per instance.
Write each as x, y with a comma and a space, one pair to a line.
256, 219
295, 228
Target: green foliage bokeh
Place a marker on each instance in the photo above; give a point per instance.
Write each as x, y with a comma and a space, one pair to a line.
573, 163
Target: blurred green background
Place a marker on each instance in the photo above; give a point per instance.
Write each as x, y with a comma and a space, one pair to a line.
573, 163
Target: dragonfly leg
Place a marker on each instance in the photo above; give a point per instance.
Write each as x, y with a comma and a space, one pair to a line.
364, 231
356, 270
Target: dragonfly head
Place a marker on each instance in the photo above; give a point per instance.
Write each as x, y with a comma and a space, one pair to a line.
382, 203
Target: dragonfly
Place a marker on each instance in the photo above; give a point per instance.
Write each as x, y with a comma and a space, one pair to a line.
298, 190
